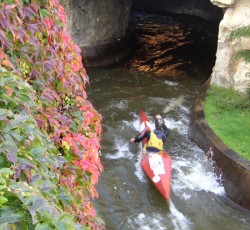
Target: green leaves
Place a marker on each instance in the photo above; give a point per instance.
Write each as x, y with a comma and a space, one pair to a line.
15, 93
5, 173
43, 13
11, 215
49, 133
10, 150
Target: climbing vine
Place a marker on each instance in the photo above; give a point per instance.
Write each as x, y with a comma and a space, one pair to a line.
49, 132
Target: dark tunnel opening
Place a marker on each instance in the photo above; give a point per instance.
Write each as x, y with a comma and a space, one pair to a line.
172, 44
201, 8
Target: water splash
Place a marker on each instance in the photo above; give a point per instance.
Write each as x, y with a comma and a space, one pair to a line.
147, 222
178, 125
158, 221
179, 221
194, 176
139, 172
171, 83
121, 150
120, 105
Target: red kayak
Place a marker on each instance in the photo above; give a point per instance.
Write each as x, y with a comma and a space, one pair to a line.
157, 166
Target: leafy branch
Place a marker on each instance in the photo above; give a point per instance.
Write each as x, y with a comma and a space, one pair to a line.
50, 133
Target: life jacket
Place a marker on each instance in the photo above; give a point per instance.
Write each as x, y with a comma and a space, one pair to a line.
154, 141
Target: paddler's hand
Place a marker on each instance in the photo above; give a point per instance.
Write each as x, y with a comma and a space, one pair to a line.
132, 139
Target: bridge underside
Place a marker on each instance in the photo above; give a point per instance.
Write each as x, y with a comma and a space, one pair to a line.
100, 27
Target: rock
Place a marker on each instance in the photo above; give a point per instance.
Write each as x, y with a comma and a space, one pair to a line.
230, 71
223, 3
100, 28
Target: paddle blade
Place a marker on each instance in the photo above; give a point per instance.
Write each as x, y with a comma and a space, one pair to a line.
173, 104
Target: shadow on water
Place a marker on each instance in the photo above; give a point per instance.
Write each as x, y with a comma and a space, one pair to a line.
127, 200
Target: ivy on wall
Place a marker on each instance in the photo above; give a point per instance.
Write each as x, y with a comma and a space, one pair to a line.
49, 132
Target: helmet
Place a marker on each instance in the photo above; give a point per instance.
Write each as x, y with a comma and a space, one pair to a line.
159, 122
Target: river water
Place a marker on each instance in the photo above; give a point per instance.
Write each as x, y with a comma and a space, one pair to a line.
127, 199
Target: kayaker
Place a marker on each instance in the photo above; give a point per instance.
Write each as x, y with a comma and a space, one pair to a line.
156, 138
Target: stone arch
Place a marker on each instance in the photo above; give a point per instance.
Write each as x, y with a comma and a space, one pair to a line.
100, 27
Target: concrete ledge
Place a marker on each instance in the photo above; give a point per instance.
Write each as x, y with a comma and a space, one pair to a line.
234, 170
200, 8
108, 53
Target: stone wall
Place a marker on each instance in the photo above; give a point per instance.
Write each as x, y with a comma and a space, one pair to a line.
201, 8
100, 28
230, 71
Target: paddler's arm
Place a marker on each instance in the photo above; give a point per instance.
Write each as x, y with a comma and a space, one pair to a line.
165, 130
140, 137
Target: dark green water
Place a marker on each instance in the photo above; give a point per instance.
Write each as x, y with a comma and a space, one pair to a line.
127, 200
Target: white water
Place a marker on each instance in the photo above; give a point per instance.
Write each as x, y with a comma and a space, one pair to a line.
157, 221
121, 150
190, 174
144, 222
179, 221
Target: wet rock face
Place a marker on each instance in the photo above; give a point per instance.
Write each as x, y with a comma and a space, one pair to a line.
97, 21
230, 70
99, 27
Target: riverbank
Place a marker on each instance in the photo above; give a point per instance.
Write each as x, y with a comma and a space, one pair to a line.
233, 170
227, 112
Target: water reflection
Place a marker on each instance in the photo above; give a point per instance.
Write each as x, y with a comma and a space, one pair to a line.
173, 45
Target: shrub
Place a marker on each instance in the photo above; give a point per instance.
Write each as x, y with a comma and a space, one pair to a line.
50, 132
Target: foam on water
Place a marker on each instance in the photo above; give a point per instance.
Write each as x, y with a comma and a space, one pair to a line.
171, 83
144, 222
135, 123
176, 220
120, 105
121, 150
179, 221
158, 100
138, 169
193, 175
179, 125
184, 109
